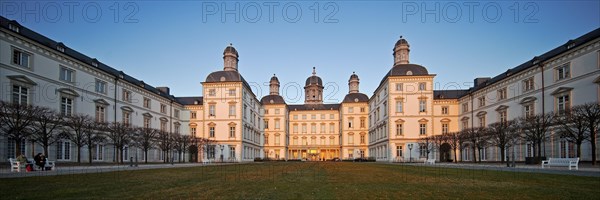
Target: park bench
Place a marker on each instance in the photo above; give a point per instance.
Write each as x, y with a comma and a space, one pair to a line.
430, 161
563, 162
14, 165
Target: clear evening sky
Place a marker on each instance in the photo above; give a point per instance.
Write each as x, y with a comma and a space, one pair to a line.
178, 43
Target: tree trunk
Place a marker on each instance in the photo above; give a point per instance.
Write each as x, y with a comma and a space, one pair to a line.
79, 154
579, 149
593, 141
146, 155
455, 160
502, 154
46, 149
18, 148
474, 154
90, 154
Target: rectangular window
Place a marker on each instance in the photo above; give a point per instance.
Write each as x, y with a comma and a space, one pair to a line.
126, 96
502, 94
465, 107
63, 150
147, 121
362, 123
211, 111
231, 110
322, 116
100, 86
528, 84
562, 103
231, 152
176, 128
304, 128
163, 108
502, 116
331, 116
444, 128
350, 109
20, 95
399, 152
422, 105
176, 113
563, 72
67, 74
232, 131
465, 124
146, 102
277, 111
295, 141
422, 87
331, 141
399, 106
322, 129
266, 123
350, 139
232, 92
331, 128
193, 132
126, 117
212, 92
528, 110
98, 152
313, 128
295, 128
295, 116
482, 121
362, 109
100, 113
313, 116
399, 129
193, 115
350, 122
422, 129
21, 58
303, 116
66, 106
444, 110
481, 101
277, 124
362, 139
313, 141
277, 138
423, 150
211, 132
398, 86
163, 125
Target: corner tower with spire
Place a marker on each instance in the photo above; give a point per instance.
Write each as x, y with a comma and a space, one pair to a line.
313, 89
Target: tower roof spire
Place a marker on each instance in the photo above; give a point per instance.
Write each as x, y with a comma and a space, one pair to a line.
314, 73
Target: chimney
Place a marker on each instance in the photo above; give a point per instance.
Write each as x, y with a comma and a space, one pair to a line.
164, 90
480, 81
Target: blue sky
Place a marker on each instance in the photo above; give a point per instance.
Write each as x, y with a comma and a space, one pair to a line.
178, 43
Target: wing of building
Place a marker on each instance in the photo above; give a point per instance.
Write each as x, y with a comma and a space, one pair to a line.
228, 122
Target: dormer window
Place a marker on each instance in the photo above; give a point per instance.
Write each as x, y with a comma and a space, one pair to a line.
61, 49
13, 27
95, 64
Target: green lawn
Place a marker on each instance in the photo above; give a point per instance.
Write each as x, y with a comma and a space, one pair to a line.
304, 181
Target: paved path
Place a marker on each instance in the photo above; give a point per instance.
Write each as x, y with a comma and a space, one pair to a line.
585, 169
67, 170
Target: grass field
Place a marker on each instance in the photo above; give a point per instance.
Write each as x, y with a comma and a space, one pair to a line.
303, 181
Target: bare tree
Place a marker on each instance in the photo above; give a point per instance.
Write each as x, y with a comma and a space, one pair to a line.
185, 141
119, 134
591, 113
146, 139
48, 124
535, 129
204, 144
16, 120
471, 135
572, 126
165, 143
502, 135
77, 129
95, 134
426, 142
177, 144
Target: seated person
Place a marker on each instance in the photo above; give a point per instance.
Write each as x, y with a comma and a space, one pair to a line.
40, 160
23, 161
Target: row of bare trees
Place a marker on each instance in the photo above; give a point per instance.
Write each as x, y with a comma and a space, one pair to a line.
578, 124
46, 127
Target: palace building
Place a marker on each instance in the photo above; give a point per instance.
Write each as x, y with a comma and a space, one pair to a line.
389, 125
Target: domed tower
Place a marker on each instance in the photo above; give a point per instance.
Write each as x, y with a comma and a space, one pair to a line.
401, 52
314, 89
274, 86
230, 58
353, 83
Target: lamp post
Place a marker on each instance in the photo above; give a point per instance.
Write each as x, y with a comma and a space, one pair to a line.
222, 146
410, 146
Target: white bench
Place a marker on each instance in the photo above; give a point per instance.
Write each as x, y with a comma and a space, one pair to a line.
14, 165
206, 161
564, 162
50, 164
430, 161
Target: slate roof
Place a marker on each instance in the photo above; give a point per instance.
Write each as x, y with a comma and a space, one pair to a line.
275, 98
190, 100
449, 94
314, 80
350, 98
314, 107
226, 76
